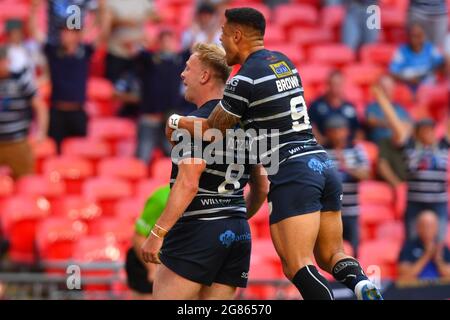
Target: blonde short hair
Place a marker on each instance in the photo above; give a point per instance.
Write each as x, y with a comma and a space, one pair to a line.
213, 56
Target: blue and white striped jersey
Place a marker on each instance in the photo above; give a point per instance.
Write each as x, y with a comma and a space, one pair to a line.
267, 94
221, 185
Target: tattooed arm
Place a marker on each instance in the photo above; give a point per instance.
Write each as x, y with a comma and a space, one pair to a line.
218, 119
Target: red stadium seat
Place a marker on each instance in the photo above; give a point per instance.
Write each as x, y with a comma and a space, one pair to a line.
382, 254
72, 170
375, 214
51, 188
331, 54
100, 249
41, 151
6, 189
145, 188
112, 130
101, 91
106, 192
129, 209
90, 149
130, 169
294, 52
314, 74
376, 193
14, 10
291, 15
77, 208
394, 230
333, 16
121, 229
161, 170
56, 237
261, 269
264, 249
378, 53
362, 74
19, 219
308, 36
404, 96
434, 97
372, 151
274, 34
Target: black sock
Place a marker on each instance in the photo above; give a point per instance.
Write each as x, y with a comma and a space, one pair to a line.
349, 272
312, 285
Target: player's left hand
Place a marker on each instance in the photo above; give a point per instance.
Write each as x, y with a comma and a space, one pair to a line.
150, 249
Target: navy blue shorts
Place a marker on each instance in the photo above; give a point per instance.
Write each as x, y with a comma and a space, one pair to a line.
209, 251
304, 185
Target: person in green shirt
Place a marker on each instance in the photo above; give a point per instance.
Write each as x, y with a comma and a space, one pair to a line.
140, 275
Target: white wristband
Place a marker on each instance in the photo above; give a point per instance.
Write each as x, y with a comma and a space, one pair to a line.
173, 121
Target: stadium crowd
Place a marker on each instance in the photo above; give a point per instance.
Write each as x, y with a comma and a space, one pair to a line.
85, 92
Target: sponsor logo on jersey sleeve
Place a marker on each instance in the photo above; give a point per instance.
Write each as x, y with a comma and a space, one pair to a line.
281, 69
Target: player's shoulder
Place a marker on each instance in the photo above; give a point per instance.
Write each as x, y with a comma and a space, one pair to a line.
265, 63
205, 110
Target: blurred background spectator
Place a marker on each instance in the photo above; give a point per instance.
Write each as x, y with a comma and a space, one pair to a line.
355, 30
123, 26
58, 11
68, 117
205, 27
425, 257
333, 102
159, 73
353, 166
416, 62
18, 100
378, 127
432, 16
426, 158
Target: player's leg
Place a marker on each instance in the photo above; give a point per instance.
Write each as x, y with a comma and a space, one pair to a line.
233, 271
294, 240
217, 291
170, 286
330, 256
329, 249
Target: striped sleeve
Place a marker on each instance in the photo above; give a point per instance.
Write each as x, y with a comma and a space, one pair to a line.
27, 84
236, 97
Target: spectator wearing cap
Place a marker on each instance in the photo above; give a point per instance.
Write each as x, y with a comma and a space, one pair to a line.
425, 257
416, 62
205, 29
355, 30
426, 159
432, 16
332, 103
353, 167
18, 101
159, 75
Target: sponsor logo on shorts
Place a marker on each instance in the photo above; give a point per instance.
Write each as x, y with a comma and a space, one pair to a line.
320, 166
228, 237
244, 275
